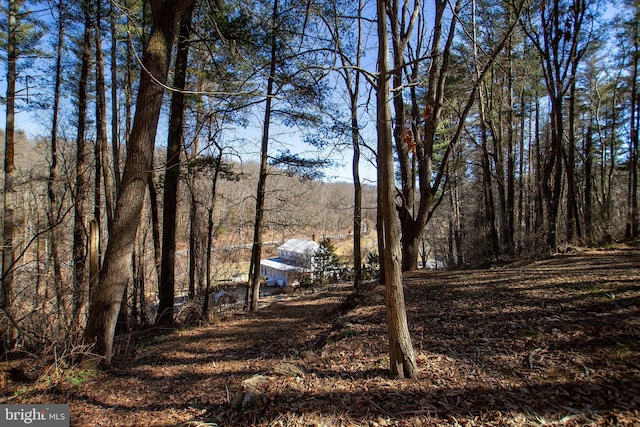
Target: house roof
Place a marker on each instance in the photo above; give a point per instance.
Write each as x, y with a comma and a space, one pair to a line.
278, 264
301, 246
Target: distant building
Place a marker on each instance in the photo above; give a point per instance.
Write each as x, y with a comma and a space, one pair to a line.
295, 258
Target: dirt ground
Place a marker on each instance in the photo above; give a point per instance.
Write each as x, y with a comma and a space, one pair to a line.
553, 342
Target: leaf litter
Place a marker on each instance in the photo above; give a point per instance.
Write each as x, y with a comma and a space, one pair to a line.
546, 343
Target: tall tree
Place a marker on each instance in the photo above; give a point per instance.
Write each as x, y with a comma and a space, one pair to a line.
107, 297
351, 76
102, 140
423, 161
172, 173
294, 94
402, 359
485, 155
51, 191
20, 36
115, 122
630, 35
80, 234
9, 193
256, 249
556, 31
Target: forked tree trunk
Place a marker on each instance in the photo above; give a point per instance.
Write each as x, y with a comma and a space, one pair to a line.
402, 359
107, 297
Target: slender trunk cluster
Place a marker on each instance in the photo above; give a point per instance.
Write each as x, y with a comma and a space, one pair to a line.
107, 297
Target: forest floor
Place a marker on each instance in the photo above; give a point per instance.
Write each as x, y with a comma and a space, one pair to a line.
540, 343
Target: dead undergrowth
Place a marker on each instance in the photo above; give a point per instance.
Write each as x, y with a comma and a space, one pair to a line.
553, 342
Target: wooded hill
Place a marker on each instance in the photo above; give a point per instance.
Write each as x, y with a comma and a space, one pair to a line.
498, 132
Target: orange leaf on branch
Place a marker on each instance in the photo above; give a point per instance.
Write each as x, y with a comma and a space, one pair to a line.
428, 109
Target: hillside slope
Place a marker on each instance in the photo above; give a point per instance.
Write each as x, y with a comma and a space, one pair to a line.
554, 342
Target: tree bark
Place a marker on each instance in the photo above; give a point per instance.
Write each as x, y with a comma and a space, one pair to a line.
574, 229
210, 209
256, 250
101, 119
107, 297
53, 244
489, 205
633, 222
172, 173
80, 234
401, 354
9, 193
588, 185
155, 226
115, 135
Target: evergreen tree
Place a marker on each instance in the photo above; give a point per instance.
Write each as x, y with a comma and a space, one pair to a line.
325, 261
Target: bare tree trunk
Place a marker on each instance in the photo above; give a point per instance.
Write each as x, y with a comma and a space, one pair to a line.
509, 239
380, 234
357, 195
166, 288
633, 222
53, 203
94, 255
80, 234
574, 229
128, 82
538, 221
523, 221
588, 185
489, 205
210, 209
457, 257
155, 225
101, 118
354, 91
115, 135
256, 251
193, 244
9, 193
401, 354
106, 299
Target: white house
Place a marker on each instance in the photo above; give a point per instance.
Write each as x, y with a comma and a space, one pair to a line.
295, 257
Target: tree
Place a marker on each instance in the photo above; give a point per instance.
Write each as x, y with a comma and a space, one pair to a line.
8, 195
294, 77
53, 245
325, 261
107, 297
172, 173
630, 37
256, 249
102, 142
556, 31
402, 358
20, 37
351, 75
80, 234
423, 152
